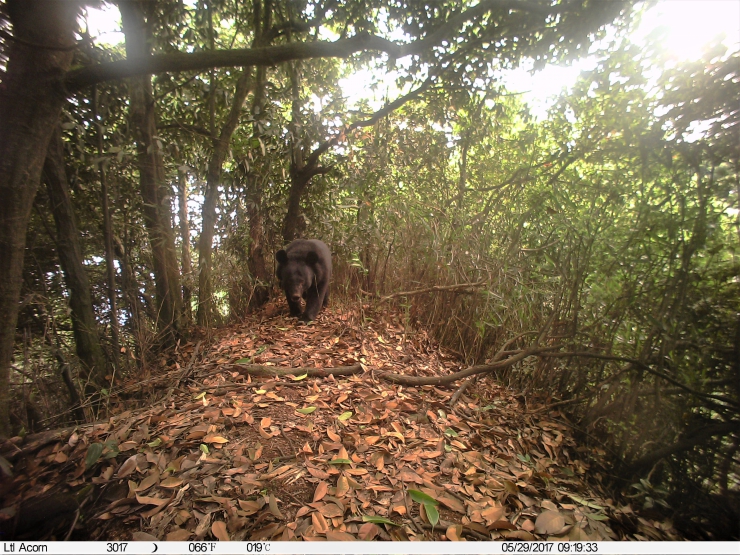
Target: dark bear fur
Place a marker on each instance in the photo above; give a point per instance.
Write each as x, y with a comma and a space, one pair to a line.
304, 271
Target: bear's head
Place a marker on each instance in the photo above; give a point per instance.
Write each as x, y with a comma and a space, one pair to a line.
296, 275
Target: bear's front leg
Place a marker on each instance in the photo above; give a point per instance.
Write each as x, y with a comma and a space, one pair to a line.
295, 307
313, 305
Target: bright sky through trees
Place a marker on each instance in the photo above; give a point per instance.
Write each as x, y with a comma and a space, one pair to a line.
688, 25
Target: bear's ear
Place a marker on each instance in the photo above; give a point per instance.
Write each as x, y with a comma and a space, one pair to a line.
281, 256
312, 258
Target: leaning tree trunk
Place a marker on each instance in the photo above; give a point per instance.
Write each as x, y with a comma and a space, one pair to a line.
157, 208
186, 263
213, 179
31, 99
84, 324
302, 168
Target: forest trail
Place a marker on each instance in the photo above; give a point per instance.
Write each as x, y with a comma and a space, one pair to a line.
222, 454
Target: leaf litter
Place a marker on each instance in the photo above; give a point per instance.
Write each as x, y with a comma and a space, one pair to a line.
227, 455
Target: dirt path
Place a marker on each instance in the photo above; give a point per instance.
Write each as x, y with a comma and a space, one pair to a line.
220, 454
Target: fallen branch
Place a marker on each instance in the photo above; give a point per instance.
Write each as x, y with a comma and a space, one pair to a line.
478, 369
271, 371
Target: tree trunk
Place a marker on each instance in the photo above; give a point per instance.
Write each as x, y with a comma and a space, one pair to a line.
298, 181
84, 325
256, 262
108, 237
186, 262
31, 99
213, 179
157, 208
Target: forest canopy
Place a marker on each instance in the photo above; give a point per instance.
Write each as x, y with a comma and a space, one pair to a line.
147, 187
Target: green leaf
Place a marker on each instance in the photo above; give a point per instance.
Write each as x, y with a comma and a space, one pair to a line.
200, 395
450, 432
93, 454
307, 410
6, 467
432, 513
111, 450
583, 501
596, 516
156, 443
244, 361
299, 378
204, 448
345, 416
340, 461
421, 497
378, 520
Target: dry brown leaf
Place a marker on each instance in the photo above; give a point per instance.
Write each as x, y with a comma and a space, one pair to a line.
249, 507
317, 473
368, 531
321, 489
158, 501
272, 502
331, 510
148, 482
171, 482
177, 535
336, 536
400, 509
454, 533
407, 475
342, 486
127, 468
493, 514
218, 529
549, 522
333, 435
319, 523
215, 439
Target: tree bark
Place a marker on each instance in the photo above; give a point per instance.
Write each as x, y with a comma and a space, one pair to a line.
108, 237
257, 263
157, 208
31, 99
213, 179
84, 324
185, 260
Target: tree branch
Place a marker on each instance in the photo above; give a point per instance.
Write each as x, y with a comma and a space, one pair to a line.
642, 366
479, 369
698, 437
273, 55
454, 287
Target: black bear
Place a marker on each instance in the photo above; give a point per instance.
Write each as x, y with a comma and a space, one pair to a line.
304, 271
